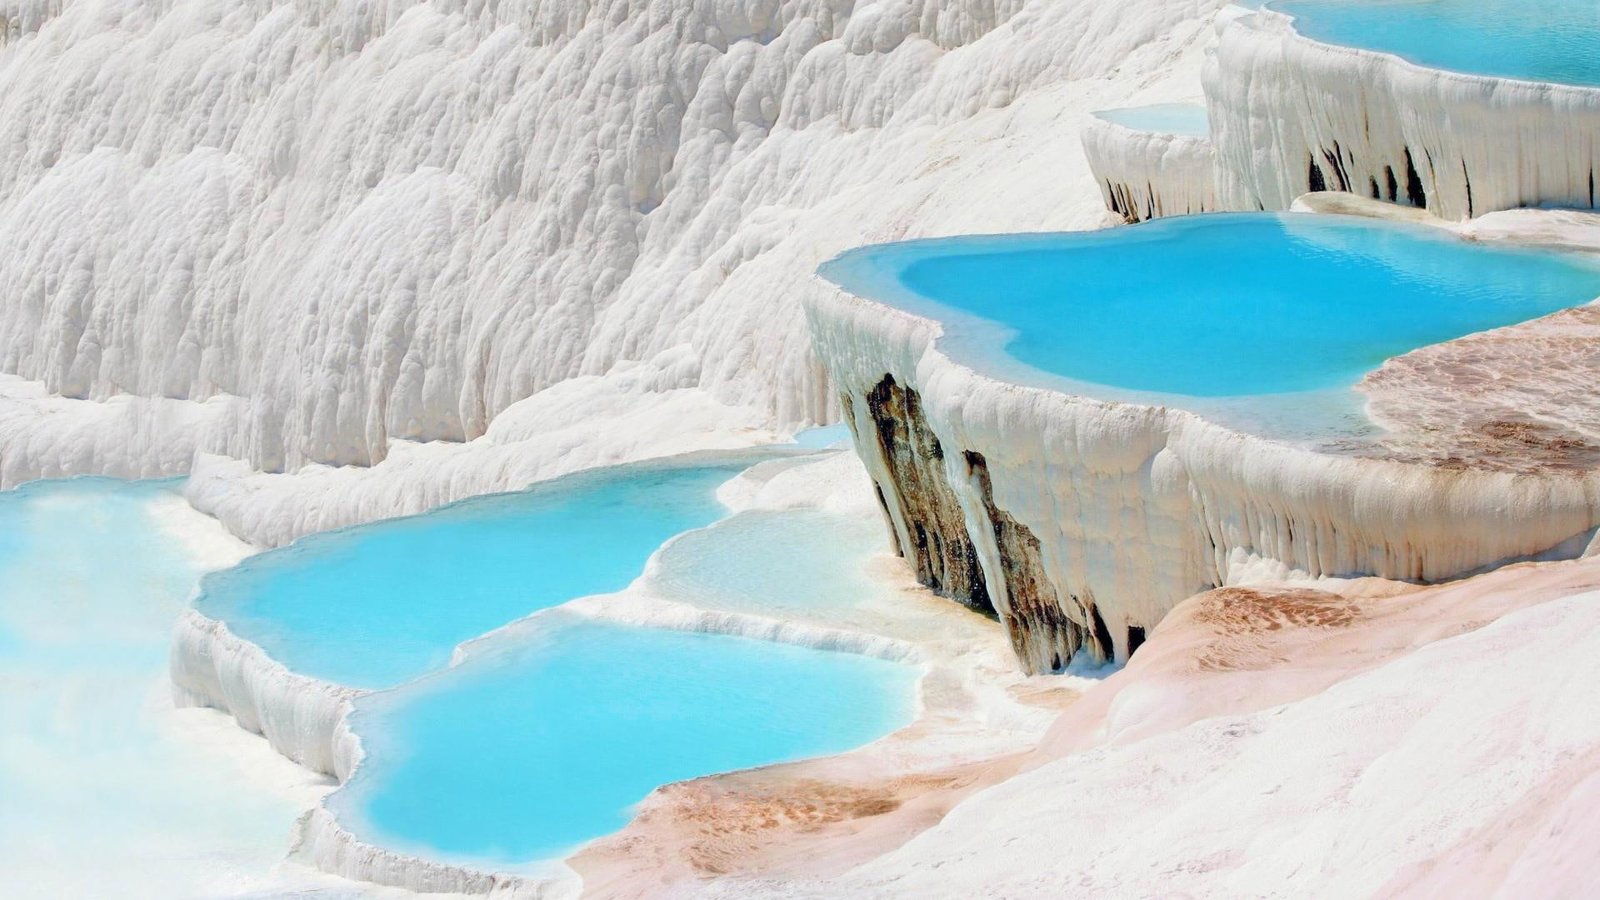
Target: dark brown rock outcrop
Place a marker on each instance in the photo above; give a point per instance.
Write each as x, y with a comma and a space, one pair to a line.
937, 542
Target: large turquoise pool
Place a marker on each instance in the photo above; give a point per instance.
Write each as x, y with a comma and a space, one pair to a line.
1542, 40
379, 604
1216, 306
538, 744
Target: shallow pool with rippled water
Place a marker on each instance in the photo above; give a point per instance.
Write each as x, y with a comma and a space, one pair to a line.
1547, 40
379, 604
1186, 119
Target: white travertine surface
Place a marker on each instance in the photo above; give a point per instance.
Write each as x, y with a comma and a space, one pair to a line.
394, 221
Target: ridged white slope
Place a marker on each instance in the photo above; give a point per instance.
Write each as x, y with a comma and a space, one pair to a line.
300, 717
1287, 112
396, 220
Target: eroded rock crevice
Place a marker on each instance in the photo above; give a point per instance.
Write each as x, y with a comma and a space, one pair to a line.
936, 540
1044, 636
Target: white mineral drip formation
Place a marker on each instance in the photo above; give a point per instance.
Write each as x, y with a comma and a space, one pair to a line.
1291, 115
1150, 174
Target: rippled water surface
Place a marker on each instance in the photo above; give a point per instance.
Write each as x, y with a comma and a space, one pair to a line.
1537, 40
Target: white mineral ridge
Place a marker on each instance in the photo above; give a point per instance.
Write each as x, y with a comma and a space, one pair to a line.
355, 224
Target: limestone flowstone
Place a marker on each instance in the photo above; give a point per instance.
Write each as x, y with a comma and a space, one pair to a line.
322, 234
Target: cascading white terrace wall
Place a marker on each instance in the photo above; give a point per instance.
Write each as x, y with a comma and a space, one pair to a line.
394, 220
301, 717
1147, 174
1291, 115
1136, 508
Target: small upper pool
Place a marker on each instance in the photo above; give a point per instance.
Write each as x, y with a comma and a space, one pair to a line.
379, 604
1547, 40
534, 746
1215, 306
1186, 119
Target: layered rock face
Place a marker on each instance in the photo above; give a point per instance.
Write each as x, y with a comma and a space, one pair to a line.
927, 520
1291, 115
1148, 174
1090, 520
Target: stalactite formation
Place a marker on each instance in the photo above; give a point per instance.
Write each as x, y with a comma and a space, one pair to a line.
1279, 100
1147, 175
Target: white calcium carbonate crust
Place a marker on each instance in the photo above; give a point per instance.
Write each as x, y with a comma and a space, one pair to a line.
1465, 767
365, 227
300, 717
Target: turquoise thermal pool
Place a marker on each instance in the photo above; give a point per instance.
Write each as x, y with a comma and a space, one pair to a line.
534, 746
1215, 306
1186, 119
1549, 40
104, 790
377, 605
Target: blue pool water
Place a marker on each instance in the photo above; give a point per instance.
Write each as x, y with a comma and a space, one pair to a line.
1234, 305
1188, 119
525, 752
1537, 40
102, 791
379, 604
